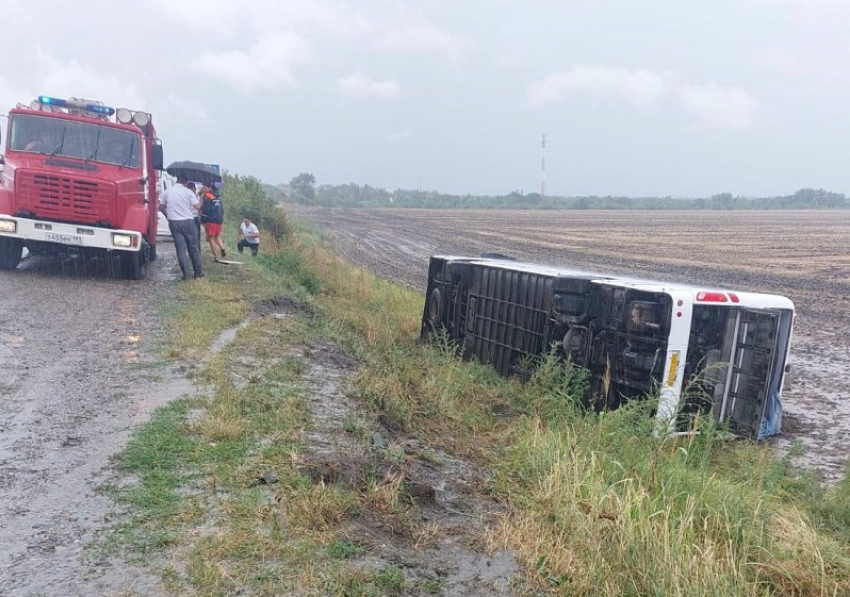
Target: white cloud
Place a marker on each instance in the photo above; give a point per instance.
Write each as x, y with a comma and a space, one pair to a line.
816, 66
783, 63
640, 87
324, 24
266, 16
321, 17
69, 78
420, 36
361, 85
180, 106
11, 94
220, 16
268, 64
719, 106
15, 11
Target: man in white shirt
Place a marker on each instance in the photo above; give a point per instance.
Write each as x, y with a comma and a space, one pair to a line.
249, 236
180, 205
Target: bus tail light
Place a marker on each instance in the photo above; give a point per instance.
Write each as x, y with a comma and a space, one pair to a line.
712, 297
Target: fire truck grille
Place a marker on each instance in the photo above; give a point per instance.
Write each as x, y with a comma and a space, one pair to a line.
64, 198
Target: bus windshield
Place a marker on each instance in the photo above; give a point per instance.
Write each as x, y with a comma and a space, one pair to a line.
66, 138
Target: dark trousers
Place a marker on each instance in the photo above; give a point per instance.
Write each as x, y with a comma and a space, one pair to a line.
253, 246
187, 243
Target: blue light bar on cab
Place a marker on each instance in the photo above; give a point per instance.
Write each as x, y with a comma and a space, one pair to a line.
61, 103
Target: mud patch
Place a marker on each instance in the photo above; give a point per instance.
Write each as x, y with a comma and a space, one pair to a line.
283, 305
439, 542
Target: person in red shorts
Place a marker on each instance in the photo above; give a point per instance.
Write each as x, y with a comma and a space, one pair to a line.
212, 215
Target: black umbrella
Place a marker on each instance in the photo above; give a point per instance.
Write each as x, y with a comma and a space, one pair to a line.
195, 172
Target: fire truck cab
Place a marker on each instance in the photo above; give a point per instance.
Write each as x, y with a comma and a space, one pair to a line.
77, 175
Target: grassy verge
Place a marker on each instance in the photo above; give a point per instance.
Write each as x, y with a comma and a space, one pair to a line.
595, 506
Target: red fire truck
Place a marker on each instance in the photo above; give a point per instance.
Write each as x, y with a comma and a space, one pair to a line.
78, 175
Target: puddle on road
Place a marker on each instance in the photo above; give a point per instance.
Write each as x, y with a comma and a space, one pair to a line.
228, 336
148, 399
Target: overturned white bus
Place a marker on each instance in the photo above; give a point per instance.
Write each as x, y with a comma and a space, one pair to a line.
635, 337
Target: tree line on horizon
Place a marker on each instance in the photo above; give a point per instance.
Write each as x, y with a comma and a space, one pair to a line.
304, 190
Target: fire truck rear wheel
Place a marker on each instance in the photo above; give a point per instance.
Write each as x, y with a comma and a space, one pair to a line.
11, 251
134, 265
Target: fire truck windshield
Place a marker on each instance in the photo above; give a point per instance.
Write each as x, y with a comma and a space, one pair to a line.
66, 138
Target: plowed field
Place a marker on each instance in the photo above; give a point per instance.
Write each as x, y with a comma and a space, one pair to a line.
802, 255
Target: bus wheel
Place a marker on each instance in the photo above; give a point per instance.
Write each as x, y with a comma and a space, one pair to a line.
11, 251
134, 265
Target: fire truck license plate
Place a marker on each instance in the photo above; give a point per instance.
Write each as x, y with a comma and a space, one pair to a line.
65, 239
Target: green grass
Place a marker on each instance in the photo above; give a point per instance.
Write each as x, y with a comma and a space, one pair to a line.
342, 550
596, 506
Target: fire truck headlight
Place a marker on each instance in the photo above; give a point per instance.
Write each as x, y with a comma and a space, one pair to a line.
124, 116
8, 226
141, 118
122, 240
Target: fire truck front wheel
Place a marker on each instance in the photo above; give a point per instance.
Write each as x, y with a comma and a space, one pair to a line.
10, 253
135, 265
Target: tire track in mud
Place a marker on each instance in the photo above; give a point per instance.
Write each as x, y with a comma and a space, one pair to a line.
796, 254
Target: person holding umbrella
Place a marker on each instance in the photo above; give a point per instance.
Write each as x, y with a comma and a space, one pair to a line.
180, 205
202, 173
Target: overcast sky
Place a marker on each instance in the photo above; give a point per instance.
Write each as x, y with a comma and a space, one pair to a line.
658, 97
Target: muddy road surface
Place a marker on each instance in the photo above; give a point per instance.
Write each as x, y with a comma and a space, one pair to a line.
76, 344
800, 254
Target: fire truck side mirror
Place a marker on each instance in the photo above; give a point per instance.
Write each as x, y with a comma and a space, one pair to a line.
158, 160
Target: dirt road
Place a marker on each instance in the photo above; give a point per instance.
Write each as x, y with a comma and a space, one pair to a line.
801, 255
74, 341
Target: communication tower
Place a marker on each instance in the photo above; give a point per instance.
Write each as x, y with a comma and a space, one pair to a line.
543, 166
